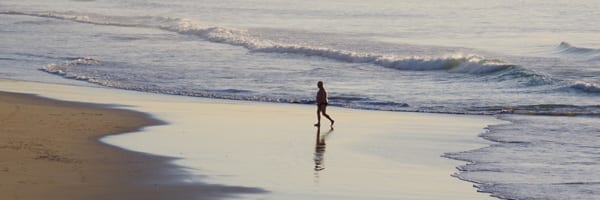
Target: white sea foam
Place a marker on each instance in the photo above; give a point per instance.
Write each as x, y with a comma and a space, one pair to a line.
65, 69
536, 158
586, 87
457, 63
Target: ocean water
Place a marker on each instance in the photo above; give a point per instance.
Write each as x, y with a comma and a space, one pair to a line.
535, 64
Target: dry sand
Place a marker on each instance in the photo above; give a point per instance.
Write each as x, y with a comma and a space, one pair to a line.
49, 150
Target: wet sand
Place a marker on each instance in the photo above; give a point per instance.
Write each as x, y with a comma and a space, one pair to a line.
271, 151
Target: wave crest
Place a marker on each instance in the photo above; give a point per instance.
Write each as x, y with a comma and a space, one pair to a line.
587, 53
586, 87
471, 64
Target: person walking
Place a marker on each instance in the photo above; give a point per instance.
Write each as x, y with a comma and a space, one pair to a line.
322, 103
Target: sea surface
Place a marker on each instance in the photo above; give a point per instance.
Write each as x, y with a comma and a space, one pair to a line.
533, 63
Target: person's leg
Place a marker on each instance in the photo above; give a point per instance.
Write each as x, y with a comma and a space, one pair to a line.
324, 111
318, 116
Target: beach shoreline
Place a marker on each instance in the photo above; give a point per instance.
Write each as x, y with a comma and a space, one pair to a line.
197, 157
431, 100
50, 149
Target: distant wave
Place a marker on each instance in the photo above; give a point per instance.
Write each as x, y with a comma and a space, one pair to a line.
568, 48
526, 77
535, 78
471, 64
11, 59
585, 87
588, 53
542, 109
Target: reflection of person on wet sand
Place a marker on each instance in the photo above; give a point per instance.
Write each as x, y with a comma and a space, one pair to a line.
322, 104
320, 149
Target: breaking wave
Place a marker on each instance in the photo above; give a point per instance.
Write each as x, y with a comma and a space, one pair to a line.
586, 87
471, 64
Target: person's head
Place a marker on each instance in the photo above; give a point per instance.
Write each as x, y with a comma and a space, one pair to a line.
320, 84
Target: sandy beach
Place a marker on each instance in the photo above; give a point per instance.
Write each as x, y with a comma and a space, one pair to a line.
220, 149
50, 150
